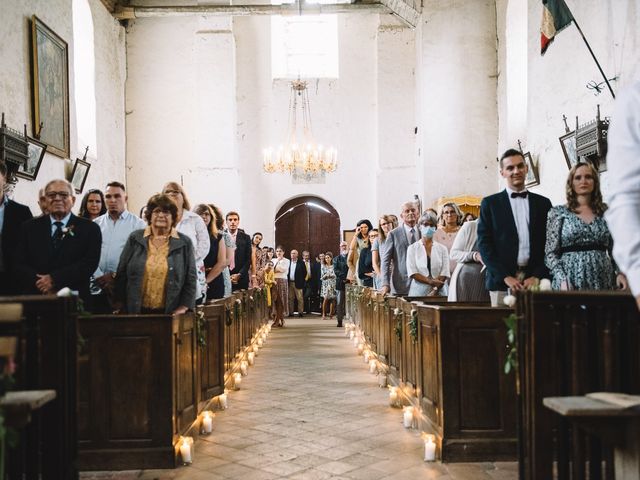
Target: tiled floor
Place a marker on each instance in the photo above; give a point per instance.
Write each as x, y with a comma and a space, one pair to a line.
309, 409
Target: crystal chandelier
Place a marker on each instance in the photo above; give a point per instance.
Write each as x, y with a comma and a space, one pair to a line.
300, 156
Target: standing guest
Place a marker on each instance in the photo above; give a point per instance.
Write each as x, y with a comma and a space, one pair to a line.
385, 225
624, 180
12, 216
328, 285
270, 254
116, 225
270, 283
92, 205
341, 269
450, 220
241, 261
281, 269
193, 227
358, 242
258, 261
157, 269
512, 231
316, 282
579, 245
216, 260
306, 259
467, 280
366, 273
427, 261
229, 246
58, 250
42, 202
394, 256
469, 217
296, 276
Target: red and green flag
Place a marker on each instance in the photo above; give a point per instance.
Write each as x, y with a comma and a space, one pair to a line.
555, 16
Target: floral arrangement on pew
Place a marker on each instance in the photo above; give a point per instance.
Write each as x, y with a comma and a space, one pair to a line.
8, 436
511, 321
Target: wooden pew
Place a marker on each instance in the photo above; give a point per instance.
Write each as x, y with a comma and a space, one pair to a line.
570, 344
46, 360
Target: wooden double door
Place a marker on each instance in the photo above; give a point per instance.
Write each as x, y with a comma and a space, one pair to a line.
308, 223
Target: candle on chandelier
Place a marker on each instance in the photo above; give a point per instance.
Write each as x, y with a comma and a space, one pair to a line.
407, 417
207, 422
237, 381
251, 358
243, 367
429, 447
185, 450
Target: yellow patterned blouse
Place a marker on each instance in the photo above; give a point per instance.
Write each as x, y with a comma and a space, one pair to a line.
156, 270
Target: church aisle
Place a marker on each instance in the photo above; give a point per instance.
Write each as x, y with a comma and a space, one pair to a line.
309, 409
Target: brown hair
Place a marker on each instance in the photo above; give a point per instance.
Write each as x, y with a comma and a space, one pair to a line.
176, 186
596, 203
219, 217
459, 214
232, 213
386, 218
327, 254
162, 202
200, 209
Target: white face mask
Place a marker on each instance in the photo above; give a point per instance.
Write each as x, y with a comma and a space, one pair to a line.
427, 232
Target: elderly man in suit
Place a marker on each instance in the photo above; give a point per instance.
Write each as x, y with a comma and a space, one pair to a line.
512, 231
393, 265
59, 249
241, 260
12, 215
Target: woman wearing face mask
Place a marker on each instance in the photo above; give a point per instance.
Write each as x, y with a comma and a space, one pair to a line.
427, 261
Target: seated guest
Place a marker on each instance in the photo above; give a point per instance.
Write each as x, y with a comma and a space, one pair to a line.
578, 248
427, 261
58, 250
216, 260
12, 216
116, 226
157, 269
92, 205
366, 273
467, 280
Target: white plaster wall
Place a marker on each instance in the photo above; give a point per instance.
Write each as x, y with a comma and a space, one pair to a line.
15, 87
458, 105
556, 82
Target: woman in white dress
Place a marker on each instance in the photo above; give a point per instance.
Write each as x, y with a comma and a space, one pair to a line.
427, 261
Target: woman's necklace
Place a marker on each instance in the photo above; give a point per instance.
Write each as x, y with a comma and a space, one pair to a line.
449, 230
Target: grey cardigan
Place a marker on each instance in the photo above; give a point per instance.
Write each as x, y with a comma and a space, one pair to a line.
181, 277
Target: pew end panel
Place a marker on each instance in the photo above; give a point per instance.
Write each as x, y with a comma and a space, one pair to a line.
212, 354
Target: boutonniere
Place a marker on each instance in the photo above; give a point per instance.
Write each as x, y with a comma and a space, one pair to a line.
68, 231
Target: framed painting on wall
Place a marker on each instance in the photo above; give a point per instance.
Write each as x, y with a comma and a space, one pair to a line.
568, 143
50, 83
80, 174
36, 151
532, 173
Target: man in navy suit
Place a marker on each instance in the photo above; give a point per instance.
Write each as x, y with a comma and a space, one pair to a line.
241, 261
12, 215
512, 231
59, 249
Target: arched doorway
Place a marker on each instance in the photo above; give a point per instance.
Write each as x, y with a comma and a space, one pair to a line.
308, 223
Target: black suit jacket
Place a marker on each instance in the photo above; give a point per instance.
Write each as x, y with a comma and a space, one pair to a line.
498, 238
15, 214
341, 269
299, 275
242, 259
316, 282
73, 264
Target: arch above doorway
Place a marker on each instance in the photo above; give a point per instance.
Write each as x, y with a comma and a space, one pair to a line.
309, 223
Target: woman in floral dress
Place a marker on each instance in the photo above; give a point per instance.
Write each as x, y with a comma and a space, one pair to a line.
328, 277
578, 248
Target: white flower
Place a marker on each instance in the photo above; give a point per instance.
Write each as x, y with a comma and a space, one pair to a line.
396, 311
545, 284
509, 301
238, 301
251, 298
66, 292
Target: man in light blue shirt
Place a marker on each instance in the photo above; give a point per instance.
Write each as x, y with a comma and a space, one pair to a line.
116, 225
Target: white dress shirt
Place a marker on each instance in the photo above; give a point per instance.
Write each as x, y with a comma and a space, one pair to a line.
280, 267
292, 270
194, 227
520, 210
623, 160
114, 236
64, 222
416, 233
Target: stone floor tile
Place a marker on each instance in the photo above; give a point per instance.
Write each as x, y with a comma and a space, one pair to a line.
336, 467
311, 474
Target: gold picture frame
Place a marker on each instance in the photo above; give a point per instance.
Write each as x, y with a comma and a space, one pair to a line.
50, 83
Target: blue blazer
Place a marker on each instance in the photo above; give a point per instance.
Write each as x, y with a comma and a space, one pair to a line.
498, 238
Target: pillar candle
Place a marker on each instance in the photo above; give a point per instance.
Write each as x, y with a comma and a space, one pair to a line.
407, 417
260, 341
366, 356
222, 400
207, 422
237, 381
382, 380
393, 396
373, 368
255, 350
360, 348
356, 340
429, 448
185, 450
251, 358
243, 367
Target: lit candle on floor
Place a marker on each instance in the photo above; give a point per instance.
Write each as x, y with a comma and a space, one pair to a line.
373, 368
185, 450
407, 417
255, 349
382, 380
360, 348
237, 380
366, 356
429, 447
393, 396
260, 342
251, 358
207, 422
356, 340
222, 400
243, 367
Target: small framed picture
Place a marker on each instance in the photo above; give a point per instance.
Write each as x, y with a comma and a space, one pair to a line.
80, 174
29, 170
532, 173
568, 144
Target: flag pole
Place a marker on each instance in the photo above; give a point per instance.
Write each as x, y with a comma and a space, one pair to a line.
594, 57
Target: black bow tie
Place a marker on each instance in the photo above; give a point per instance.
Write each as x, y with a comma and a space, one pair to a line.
519, 194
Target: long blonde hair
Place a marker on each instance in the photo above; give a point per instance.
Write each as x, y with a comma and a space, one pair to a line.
186, 205
392, 219
596, 203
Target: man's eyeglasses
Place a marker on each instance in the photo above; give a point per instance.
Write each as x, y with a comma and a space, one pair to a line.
53, 195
